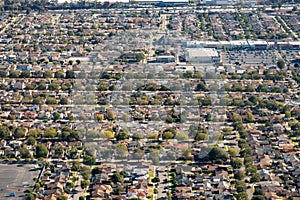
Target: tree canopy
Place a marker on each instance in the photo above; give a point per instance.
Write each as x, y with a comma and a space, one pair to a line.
41, 151
217, 153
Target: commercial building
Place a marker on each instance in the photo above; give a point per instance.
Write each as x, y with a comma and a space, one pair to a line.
165, 59
202, 55
160, 2
244, 44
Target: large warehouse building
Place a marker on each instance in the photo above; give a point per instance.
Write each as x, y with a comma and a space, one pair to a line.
202, 55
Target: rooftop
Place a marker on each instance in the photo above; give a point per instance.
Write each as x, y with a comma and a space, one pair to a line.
201, 52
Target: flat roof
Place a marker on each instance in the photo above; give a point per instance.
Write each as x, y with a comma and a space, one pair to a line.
224, 42
201, 52
239, 42
294, 43
257, 42
166, 56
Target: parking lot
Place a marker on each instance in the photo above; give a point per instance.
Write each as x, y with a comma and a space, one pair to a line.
243, 57
16, 178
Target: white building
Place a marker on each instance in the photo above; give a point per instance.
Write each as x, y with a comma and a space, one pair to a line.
202, 55
165, 59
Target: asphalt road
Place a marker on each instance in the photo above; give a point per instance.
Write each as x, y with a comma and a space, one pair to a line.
163, 184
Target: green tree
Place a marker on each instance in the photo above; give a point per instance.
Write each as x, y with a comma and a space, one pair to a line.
239, 175
197, 74
59, 151
89, 160
25, 74
50, 133
19, 132
262, 88
109, 134
123, 135
30, 196
217, 153
153, 136
156, 180
250, 116
258, 197
280, 63
121, 150
41, 85
75, 166
187, 153
232, 151
181, 136
73, 152
206, 101
31, 141
201, 87
66, 86
70, 74
84, 184
53, 86
250, 169
236, 163
34, 132
51, 101
188, 74
41, 151
4, 132
47, 74
167, 135
287, 114
255, 178
30, 86
240, 186
62, 197
246, 152
73, 136
103, 86
63, 101
14, 74
169, 120
59, 74
56, 116
237, 87
201, 136
117, 178
85, 172
249, 88
242, 196
24, 152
